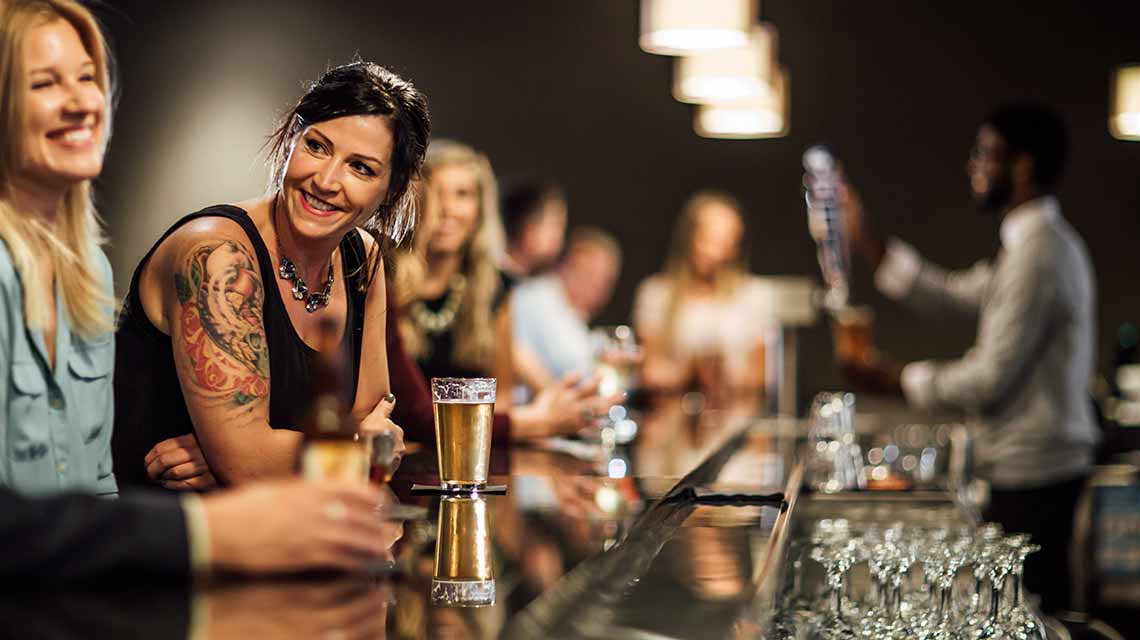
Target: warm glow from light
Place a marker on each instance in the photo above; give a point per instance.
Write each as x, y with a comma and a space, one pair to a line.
735, 73
680, 27
1124, 119
765, 117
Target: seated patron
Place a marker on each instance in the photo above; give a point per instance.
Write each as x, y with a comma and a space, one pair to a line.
702, 319
215, 333
55, 283
551, 313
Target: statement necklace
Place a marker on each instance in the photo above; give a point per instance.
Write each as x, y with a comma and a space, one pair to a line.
313, 301
434, 322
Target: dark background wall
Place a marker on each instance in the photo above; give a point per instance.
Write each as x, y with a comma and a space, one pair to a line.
897, 87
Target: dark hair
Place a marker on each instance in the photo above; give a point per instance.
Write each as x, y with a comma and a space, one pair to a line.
522, 200
358, 89
1037, 131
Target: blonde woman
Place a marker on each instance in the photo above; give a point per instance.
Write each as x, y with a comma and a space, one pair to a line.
55, 283
702, 319
453, 301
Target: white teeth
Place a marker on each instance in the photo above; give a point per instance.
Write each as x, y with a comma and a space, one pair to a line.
77, 136
316, 204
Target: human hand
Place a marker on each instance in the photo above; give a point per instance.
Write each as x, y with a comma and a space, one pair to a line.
284, 526
565, 406
859, 227
378, 424
178, 463
873, 372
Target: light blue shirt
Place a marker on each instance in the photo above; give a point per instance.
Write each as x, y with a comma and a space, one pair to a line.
56, 430
545, 323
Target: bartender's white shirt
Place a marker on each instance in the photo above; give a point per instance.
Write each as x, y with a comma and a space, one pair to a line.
1026, 378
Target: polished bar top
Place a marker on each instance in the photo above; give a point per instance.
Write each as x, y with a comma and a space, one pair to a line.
676, 534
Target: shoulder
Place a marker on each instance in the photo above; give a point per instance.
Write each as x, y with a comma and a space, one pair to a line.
533, 290
653, 288
210, 234
9, 277
102, 266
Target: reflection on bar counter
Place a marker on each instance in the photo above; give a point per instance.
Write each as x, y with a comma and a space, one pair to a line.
463, 574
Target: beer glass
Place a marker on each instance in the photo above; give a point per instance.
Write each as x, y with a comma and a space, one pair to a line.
464, 411
463, 575
616, 356
852, 333
381, 448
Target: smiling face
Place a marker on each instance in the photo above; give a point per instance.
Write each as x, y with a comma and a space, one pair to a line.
337, 175
65, 109
456, 189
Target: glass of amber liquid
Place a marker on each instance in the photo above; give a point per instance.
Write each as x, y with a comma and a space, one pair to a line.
463, 575
464, 416
852, 332
381, 448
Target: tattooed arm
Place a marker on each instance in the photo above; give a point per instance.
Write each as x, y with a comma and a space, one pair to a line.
213, 303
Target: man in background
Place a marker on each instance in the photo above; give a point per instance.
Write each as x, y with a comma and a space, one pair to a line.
1025, 381
551, 313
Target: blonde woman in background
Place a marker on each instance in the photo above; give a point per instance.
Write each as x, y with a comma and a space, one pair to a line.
55, 282
454, 306
702, 319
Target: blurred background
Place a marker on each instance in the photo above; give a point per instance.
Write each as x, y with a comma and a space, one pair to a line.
561, 89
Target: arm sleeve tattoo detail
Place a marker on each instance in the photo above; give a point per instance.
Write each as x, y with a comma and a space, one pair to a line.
223, 332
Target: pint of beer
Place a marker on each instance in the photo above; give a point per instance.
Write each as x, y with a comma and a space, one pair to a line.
464, 415
463, 575
852, 333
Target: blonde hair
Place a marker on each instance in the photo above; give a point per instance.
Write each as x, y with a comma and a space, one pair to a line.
474, 326
73, 243
678, 270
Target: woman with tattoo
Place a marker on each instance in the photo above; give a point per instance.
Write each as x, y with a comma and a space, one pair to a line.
57, 297
215, 367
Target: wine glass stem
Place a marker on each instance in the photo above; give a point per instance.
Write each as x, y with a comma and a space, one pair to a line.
995, 600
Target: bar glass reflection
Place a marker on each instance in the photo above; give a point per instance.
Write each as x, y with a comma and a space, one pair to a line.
463, 574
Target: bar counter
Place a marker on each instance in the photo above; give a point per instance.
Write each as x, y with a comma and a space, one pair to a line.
681, 533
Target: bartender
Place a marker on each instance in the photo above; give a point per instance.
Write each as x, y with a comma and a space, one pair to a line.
1025, 380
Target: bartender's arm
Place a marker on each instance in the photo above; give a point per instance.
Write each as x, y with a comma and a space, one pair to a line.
902, 274
1011, 330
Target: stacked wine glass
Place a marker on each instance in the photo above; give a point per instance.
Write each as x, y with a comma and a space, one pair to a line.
925, 583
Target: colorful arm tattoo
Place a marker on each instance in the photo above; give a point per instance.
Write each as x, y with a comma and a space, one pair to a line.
223, 333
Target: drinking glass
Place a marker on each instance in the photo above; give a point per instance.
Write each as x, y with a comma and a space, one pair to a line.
463, 575
616, 356
381, 451
464, 411
835, 460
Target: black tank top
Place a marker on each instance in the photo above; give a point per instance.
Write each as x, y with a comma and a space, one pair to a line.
149, 406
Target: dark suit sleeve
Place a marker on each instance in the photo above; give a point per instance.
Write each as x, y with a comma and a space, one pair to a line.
76, 537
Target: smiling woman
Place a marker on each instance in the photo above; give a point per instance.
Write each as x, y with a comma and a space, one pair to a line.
215, 333
56, 301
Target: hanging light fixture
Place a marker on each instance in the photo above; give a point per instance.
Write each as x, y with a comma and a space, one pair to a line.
680, 27
763, 117
735, 73
1124, 117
